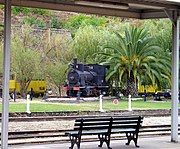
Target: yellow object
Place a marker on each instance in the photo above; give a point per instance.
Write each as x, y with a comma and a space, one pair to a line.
12, 85
148, 88
38, 86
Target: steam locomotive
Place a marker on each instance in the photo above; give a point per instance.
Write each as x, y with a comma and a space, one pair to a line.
86, 80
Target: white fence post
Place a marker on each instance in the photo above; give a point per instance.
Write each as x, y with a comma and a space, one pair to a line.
129, 103
100, 103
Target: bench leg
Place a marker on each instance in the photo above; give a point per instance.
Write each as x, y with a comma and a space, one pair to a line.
129, 138
135, 140
75, 140
104, 138
132, 136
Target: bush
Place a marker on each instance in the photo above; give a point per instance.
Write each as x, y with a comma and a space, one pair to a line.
55, 23
40, 11
17, 10
29, 20
40, 23
82, 20
34, 21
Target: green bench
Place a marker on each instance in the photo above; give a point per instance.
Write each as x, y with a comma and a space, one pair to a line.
104, 127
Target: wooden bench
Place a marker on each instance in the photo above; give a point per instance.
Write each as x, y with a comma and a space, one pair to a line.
103, 128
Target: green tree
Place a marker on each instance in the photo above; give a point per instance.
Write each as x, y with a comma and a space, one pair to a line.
25, 60
56, 72
56, 57
161, 31
88, 41
134, 57
25, 64
57, 49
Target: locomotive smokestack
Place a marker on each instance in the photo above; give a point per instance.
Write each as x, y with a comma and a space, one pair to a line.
74, 61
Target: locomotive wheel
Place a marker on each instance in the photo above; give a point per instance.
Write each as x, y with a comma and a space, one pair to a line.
71, 93
67, 93
84, 93
74, 93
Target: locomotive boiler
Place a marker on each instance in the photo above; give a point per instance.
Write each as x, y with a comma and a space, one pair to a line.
86, 79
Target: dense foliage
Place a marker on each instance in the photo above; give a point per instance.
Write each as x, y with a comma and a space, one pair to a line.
78, 21
135, 58
136, 55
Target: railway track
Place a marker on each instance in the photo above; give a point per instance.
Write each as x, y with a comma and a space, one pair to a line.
50, 135
53, 116
46, 136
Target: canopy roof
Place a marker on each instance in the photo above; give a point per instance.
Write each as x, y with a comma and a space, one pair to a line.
140, 9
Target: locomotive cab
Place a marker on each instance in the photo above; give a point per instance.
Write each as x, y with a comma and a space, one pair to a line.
87, 79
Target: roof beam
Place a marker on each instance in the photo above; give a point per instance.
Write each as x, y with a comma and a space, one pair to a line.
157, 3
76, 8
137, 8
153, 14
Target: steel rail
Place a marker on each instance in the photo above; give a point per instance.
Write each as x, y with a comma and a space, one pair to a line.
144, 131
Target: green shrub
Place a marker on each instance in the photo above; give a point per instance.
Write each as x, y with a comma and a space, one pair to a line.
17, 10
40, 11
55, 23
82, 20
29, 20
34, 21
40, 23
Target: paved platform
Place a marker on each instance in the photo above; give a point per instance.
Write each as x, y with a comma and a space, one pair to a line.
152, 142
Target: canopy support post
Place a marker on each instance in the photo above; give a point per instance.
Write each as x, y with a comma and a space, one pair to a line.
175, 78
6, 73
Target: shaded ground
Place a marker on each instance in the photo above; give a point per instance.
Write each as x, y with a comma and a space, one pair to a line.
145, 143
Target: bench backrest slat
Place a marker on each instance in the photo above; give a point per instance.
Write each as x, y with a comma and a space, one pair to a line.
126, 122
107, 124
133, 122
93, 124
93, 127
92, 119
126, 118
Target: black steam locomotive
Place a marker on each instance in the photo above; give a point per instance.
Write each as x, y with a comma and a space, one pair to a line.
86, 80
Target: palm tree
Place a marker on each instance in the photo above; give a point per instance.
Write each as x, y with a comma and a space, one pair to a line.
135, 58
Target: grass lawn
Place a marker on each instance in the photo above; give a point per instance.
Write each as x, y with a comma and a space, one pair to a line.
39, 106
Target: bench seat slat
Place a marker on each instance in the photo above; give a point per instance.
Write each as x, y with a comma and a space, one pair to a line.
123, 130
87, 132
91, 132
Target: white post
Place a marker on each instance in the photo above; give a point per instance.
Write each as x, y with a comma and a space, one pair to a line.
175, 81
100, 103
129, 103
28, 104
6, 73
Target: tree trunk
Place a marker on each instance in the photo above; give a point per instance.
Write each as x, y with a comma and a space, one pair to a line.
131, 86
59, 90
23, 89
